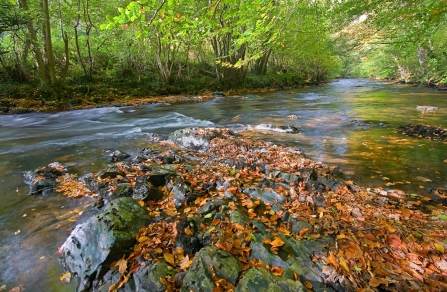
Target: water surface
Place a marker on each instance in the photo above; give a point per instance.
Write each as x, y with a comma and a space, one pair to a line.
350, 124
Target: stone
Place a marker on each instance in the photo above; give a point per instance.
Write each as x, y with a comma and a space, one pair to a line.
117, 155
147, 278
43, 180
144, 191
262, 280
266, 196
190, 243
197, 139
102, 239
199, 275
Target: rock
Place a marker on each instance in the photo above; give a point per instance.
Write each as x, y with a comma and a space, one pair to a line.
101, 240
284, 176
199, 275
267, 196
197, 139
143, 191
147, 278
190, 243
262, 280
43, 180
117, 155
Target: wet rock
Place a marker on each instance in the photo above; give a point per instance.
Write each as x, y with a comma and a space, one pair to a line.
144, 191
147, 278
197, 139
289, 129
101, 240
189, 243
262, 280
182, 192
284, 176
266, 196
117, 155
43, 180
199, 276
121, 190
112, 277
331, 183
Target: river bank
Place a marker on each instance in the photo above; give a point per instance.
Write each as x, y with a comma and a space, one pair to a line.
219, 212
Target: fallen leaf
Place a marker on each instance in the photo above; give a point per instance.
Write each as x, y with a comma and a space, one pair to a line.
277, 242
169, 257
188, 231
439, 247
65, 277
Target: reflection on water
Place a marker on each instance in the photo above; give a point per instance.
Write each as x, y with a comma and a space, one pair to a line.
348, 123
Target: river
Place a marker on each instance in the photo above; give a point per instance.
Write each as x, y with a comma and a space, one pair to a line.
348, 123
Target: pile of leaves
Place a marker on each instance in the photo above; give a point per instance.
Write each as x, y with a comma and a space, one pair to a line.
382, 240
424, 131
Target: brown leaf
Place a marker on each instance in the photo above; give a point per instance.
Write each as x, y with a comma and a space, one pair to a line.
169, 257
188, 231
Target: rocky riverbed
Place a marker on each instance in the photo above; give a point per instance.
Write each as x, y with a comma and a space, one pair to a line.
210, 210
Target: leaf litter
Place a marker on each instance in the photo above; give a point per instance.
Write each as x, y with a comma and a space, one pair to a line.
382, 240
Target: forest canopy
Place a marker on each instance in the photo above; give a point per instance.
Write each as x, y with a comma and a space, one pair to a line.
180, 46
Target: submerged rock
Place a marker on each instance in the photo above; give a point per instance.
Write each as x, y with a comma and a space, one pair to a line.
103, 239
43, 180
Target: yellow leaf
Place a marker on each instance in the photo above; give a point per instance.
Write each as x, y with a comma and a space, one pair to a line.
169, 257
439, 247
65, 277
277, 242
143, 239
344, 264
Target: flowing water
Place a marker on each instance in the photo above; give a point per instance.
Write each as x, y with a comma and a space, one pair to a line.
349, 123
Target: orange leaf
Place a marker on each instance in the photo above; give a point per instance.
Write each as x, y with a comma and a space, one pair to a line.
303, 231
308, 284
188, 231
169, 257
277, 242
394, 240
375, 282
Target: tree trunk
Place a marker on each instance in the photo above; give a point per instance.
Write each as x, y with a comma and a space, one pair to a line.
38, 56
48, 44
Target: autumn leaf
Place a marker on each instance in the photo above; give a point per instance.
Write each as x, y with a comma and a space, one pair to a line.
277, 242
65, 277
439, 247
344, 264
169, 257
303, 231
188, 231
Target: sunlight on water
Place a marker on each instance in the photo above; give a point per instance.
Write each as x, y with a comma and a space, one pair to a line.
350, 124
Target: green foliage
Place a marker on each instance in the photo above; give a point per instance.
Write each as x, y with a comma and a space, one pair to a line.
393, 39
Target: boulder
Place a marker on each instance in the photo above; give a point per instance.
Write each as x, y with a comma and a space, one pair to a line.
43, 180
117, 155
145, 192
197, 139
207, 261
101, 240
262, 280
